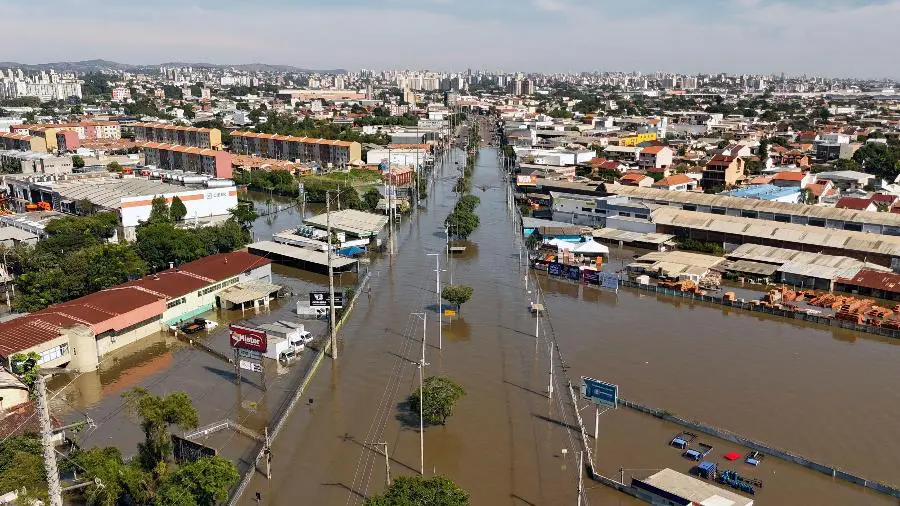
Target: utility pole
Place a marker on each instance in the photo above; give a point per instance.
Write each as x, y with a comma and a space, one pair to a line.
387, 462
580, 476
437, 290
550, 387
268, 452
54, 488
422, 365
334, 350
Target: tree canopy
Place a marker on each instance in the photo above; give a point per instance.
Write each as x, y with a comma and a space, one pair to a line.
880, 159
440, 396
456, 294
418, 491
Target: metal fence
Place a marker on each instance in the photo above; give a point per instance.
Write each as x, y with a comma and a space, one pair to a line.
760, 308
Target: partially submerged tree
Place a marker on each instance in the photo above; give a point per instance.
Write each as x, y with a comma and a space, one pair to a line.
157, 414
440, 396
417, 490
456, 294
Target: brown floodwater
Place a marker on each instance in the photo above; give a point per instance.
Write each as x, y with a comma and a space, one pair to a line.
826, 394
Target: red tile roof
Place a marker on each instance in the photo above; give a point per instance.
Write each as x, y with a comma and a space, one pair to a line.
100, 309
673, 180
789, 176
854, 203
652, 150
634, 177
884, 198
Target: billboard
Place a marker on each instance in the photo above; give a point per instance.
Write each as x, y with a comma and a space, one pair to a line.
320, 299
609, 280
250, 366
591, 277
247, 338
600, 392
526, 180
186, 450
555, 269
574, 273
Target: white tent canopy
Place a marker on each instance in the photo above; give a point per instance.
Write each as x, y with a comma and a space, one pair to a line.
590, 248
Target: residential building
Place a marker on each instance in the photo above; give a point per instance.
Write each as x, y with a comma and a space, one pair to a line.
827, 151
22, 142
856, 204
303, 149
29, 162
121, 94
846, 179
594, 211
722, 171
676, 182
634, 139
791, 179
636, 179
173, 134
655, 157
79, 333
627, 154
208, 162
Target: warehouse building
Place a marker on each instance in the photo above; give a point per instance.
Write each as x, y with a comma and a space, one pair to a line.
79, 333
130, 198
782, 212
732, 231
803, 269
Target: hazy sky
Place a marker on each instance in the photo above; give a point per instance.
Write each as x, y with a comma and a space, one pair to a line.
827, 37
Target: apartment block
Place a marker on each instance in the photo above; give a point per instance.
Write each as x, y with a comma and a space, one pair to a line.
87, 130
22, 142
204, 138
302, 149
722, 171
210, 162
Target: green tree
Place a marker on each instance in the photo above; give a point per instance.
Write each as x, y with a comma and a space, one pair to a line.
177, 209
77, 162
244, 214
847, 164
440, 395
188, 111
202, 482
456, 294
159, 210
114, 166
371, 198
24, 471
879, 159
462, 224
419, 491
108, 265
26, 367
157, 415
84, 207
160, 244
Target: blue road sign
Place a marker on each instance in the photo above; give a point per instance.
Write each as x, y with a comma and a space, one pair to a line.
600, 392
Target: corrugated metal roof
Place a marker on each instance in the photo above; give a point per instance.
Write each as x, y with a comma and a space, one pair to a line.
801, 234
784, 208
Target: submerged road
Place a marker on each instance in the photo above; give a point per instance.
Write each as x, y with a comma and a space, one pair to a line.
506, 443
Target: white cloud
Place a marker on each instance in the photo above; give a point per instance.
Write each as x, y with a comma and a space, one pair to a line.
550, 5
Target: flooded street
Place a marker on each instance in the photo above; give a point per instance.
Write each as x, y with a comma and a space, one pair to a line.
823, 393
811, 390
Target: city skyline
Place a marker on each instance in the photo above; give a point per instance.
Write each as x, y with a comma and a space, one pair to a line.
816, 37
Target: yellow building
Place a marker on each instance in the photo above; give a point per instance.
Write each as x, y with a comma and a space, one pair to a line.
635, 139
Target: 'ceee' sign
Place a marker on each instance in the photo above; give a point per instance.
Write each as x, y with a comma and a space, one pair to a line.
248, 339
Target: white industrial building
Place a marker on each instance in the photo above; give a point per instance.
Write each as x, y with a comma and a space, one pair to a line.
130, 197
403, 157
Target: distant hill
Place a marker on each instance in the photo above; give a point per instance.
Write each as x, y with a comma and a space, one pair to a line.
106, 65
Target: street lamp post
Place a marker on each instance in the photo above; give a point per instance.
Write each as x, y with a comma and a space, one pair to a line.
421, 366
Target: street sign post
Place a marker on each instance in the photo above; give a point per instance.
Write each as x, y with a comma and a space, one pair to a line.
600, 392
320, 299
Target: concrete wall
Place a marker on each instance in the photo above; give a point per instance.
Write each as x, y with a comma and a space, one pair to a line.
113, 340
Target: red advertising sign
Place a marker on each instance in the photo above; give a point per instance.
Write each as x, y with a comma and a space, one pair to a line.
248, 339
